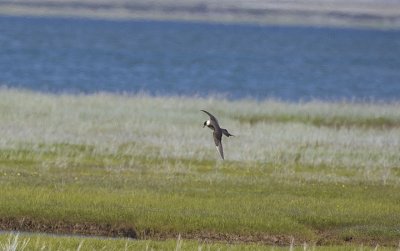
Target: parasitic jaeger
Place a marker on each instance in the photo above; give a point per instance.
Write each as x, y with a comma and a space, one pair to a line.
213, 124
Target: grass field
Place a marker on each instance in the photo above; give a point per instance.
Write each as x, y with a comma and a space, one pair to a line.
48, 242
143, 167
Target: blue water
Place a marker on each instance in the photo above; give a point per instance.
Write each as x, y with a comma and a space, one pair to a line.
172, 58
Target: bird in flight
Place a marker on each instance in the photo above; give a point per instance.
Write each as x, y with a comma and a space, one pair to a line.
213, 124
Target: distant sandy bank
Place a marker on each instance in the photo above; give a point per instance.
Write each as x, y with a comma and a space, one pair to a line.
383, 14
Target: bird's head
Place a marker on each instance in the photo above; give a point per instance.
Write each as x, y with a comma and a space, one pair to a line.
206, 123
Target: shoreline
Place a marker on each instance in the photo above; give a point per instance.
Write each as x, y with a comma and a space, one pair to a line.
301, 13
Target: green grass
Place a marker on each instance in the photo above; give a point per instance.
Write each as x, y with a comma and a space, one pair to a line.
48, 242
114, 166
322, 120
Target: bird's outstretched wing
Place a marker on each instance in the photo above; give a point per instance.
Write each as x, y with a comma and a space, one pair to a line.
217, 140
220, 150
211, 116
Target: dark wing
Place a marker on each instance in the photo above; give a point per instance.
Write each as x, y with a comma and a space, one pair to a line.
217, 140
221, 150
211, 116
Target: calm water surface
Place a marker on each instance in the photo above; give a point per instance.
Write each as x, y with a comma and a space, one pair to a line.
171, 58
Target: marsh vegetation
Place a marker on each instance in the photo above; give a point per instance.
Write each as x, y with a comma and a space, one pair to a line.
143, 167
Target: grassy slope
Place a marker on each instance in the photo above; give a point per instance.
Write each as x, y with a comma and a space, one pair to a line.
116, 162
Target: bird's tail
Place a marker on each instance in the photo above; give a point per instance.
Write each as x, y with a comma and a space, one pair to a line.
226, 133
